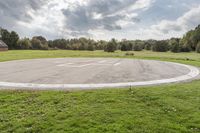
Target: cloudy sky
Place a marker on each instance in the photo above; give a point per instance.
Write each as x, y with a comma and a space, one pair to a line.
100, 19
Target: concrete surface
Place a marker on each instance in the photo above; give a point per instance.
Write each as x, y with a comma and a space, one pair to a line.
84, 73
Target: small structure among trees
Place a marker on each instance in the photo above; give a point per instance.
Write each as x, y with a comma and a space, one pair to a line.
3, 46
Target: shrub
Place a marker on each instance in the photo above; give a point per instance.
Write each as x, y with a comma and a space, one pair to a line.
175, 47
126, 46
129, 54
160, 46
185, 48
91, 47
123, 47
147, 46
111, 46
45, 47
137, 47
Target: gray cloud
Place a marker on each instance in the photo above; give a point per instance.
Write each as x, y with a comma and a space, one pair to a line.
108, 13
72, 18
17, 10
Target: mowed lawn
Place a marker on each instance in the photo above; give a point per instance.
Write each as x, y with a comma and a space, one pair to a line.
163, 109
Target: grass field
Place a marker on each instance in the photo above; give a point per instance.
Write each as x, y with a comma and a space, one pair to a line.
187, 58
163, 109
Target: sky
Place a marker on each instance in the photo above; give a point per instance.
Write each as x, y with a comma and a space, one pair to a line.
100, 19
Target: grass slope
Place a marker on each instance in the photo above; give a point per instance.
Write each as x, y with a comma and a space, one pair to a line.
166, 108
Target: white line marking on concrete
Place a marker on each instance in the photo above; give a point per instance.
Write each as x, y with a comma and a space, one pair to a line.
110, 62
194, 72
79, 66
70, 63
73, 65
117, 64
86, 65
61, 65
103, 61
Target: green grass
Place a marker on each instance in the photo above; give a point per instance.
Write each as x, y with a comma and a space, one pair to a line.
164, 109
194, 58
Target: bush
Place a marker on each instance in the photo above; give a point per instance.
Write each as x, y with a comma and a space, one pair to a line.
160, 46
91, 47
129, 54
198, 48
111, 46
123, 47
147, 46
126, 46
185, 48
45, 47
137, 47
175, 47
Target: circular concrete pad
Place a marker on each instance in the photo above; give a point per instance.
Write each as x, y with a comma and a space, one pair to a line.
88, 73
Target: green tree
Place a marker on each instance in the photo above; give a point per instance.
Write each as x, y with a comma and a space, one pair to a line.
42, 39
137, 47
24, 44
123, 47
186, 48
198, 48
111, 46
14, 37
39, 42
126, 46
60, 44
5, 37
160, 46
50, 44
91, 46
101, 44
147, 46
191, 39
36, 44
174, 45
10, 39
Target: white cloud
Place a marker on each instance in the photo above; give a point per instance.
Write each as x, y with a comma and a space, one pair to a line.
142, 4
98, 19
184, 23
48, 21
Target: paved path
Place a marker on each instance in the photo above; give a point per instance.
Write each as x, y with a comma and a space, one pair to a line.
84, 73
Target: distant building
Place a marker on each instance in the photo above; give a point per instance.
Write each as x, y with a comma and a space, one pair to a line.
3, 46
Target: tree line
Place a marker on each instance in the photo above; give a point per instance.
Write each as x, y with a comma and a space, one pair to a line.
189, 42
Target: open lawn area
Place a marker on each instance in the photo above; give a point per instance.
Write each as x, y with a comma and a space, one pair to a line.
186, 58
165, 109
